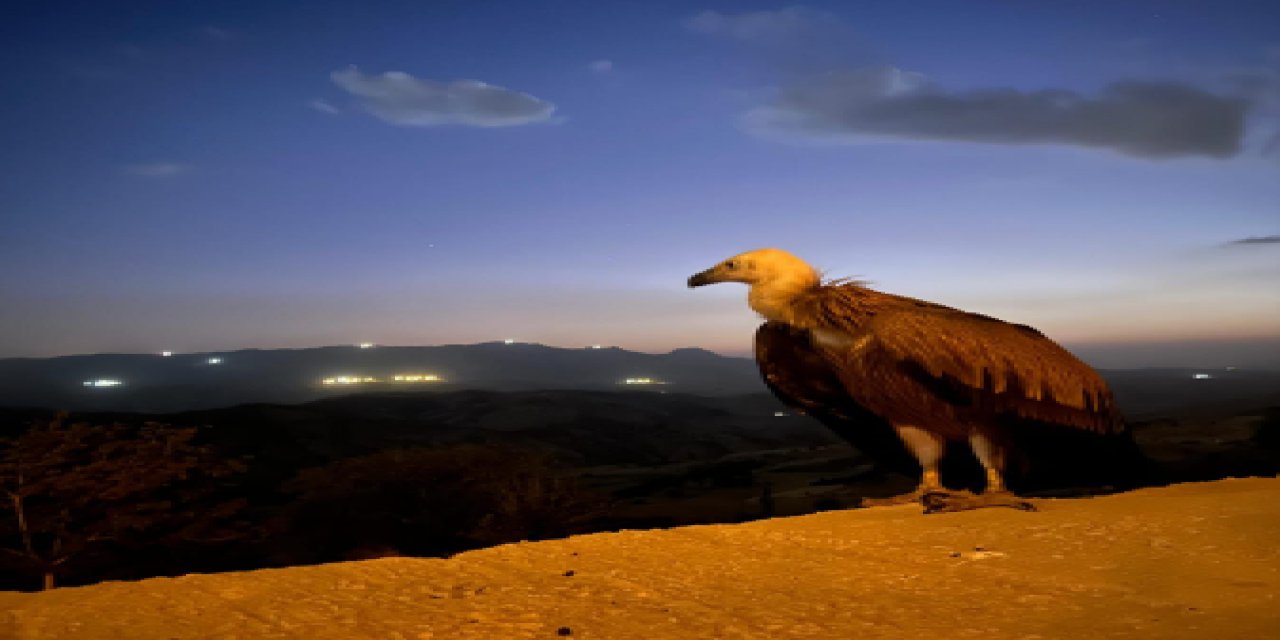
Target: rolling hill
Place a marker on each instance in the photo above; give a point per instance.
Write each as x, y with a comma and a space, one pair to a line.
184, 382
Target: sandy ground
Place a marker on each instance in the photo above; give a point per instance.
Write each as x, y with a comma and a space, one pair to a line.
1190, 561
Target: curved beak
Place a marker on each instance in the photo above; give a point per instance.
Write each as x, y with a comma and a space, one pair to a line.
710, 276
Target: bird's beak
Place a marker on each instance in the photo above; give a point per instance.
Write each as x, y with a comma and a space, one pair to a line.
710, 276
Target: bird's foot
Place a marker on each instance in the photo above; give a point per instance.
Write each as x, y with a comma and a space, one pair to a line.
944, 501
906, 498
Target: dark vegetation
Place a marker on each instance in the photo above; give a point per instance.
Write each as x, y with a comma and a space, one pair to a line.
77, 492
123, 496
103, 496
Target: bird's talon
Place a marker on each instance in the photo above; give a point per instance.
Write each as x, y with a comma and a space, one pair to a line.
940, 502
905, 498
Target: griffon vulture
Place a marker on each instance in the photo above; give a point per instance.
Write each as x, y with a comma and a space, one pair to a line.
884, 371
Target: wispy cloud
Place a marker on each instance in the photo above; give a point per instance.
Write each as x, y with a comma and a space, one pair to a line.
323, 106
398, 98
1145, 119
1255, 240
216, 33
156, 169
762, 27
130, 51
1261, 85
794, 38
601, 66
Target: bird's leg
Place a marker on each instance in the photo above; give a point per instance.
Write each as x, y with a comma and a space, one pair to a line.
992, 457
927, 448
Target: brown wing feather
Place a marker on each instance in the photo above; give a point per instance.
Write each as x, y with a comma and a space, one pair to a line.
803, 378
975, 363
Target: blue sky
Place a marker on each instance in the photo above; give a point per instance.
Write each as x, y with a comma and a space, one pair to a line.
200, 176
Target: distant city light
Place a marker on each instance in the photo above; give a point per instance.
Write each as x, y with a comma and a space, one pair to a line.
103, 382
348, 380
166, 353
367, 345
596, 346
779, 414
399, 377
642, 381
214, 360
508, 341
1201, 376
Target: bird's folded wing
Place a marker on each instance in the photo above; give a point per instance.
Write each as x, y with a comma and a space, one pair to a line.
969, 359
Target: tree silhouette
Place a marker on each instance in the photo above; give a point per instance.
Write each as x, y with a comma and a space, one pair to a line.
71, 486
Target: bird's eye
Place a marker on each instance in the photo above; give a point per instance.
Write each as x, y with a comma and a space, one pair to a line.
731, 264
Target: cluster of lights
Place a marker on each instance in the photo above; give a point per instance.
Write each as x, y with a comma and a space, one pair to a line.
400, 377
366, 345
1201, 376
166, 353
214, 361
642, 381
509, 341
348, 380
103, 382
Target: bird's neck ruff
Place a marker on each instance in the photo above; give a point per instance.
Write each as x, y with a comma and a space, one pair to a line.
775, 299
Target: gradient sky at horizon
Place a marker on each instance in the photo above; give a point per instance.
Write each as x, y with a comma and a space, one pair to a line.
200, 176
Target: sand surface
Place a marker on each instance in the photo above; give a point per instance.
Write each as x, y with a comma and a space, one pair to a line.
1189, 561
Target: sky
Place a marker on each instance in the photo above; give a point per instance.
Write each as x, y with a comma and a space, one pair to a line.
198, 176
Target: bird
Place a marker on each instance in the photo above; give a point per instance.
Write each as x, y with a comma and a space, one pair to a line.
909, 382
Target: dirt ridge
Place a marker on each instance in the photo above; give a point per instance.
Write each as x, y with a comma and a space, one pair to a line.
1199, 560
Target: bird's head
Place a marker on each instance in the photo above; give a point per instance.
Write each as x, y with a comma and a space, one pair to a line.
760, 268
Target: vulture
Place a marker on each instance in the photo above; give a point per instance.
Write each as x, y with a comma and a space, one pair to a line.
910, 382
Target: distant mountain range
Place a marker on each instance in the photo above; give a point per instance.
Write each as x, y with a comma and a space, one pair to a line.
192, 381
187, 381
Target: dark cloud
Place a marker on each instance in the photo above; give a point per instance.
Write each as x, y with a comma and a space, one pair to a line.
1256, 240
401, 99
1146, 119
850, 101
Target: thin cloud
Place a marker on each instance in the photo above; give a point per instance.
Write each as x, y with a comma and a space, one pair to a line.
1143, 119
1261, 86
95, 73
323, 106
798, 39
216, 33
131, 51
398, 98
761, 27
1255, 240
601, 66
156, 169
